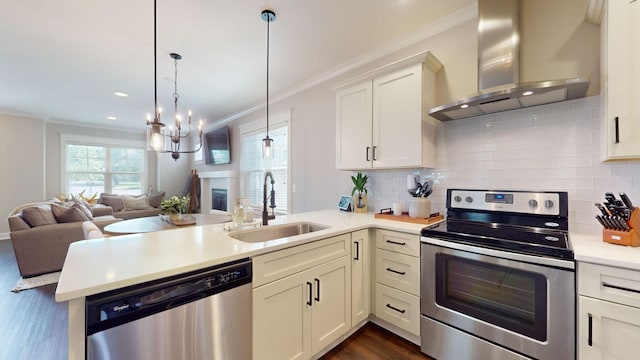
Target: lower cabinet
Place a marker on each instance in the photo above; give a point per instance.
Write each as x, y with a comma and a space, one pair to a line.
607, 330
300, 314
360, 276
608, 312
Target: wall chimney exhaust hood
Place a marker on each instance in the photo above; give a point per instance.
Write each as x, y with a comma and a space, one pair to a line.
499, 87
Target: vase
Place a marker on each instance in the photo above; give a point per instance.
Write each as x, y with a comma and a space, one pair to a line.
175, 217
420, 208
360, 203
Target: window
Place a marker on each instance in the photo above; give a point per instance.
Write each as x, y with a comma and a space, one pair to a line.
102, 165
253, 165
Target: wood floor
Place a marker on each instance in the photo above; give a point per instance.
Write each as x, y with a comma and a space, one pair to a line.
34, 326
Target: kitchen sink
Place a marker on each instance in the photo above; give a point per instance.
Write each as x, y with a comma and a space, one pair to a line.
276, 232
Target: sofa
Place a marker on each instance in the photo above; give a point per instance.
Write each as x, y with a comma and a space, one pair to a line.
41, 239
42, 232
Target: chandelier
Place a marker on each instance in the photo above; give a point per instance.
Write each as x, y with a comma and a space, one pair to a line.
159, 138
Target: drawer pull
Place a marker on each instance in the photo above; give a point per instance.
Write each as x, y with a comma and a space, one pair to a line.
396, 243
604, 284
590, 339
396, 309
396, 271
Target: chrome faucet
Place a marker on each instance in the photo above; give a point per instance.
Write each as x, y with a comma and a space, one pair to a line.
265, 215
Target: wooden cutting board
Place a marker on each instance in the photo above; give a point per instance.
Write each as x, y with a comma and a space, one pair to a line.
406, 218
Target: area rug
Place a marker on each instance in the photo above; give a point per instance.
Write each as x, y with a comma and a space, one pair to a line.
33, 282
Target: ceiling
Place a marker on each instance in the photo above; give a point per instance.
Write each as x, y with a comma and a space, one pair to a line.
63, 60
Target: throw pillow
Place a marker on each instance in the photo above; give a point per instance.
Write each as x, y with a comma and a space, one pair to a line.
115, 201
155, 198
38, 216
64, 214
80, 205
140, 202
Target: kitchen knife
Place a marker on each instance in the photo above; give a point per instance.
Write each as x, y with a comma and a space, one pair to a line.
627, 202
607, 222
599, 218
603, 210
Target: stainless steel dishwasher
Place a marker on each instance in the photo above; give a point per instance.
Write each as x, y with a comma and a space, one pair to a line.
200, 315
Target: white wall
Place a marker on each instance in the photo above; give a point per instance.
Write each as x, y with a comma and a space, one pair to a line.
21, 163
551, 147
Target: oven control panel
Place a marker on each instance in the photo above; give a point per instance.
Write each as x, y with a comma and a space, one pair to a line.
540, 203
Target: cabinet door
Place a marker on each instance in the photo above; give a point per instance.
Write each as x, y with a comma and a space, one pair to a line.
331, 310
607, 330
397, 123
282, 318
360, 277
622, 79
353, 127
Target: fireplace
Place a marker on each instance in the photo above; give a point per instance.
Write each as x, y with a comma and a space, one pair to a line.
219, 199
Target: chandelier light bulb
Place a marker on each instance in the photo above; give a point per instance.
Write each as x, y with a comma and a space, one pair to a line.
157, 140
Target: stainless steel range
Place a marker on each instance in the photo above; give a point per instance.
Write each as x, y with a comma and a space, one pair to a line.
498, 278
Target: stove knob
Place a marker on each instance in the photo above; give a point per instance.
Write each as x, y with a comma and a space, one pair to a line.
457, 198
548, 203
533, 203
468, 199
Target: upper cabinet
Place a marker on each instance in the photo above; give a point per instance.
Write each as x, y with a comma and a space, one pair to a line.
382, 123
621, 80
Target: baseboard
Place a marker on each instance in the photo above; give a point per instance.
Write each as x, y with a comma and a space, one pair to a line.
396, 330
340, 340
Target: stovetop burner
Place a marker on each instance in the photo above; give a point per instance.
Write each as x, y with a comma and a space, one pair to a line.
533, 223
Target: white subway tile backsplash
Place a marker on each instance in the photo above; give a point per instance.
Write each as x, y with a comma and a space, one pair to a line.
550, 147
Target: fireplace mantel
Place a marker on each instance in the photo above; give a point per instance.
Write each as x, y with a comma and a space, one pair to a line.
221, 180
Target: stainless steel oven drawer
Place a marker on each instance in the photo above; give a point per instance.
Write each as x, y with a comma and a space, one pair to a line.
446, 343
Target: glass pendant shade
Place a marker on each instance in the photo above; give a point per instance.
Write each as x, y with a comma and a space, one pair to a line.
155, 136
267, 148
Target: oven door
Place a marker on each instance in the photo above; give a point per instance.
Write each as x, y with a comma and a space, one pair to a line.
525, 307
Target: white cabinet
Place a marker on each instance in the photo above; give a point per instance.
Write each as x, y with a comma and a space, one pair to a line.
309, 306
383, 123
620, 80
608, 312
360, 277
397, 294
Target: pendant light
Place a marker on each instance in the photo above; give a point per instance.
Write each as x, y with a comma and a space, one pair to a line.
268, 16
158, 139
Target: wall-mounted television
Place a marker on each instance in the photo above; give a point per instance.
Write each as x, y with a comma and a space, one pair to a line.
217, 149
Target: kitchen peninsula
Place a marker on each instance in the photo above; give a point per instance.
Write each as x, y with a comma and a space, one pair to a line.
100, 265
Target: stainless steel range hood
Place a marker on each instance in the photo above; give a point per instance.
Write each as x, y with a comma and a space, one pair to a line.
499, 87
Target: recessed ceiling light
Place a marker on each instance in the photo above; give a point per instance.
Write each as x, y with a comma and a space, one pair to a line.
526, 93
121, 94
464, 106
111, 118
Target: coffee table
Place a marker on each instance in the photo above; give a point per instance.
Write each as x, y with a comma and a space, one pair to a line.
155, 223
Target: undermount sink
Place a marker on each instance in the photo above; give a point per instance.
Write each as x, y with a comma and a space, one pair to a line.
276, 232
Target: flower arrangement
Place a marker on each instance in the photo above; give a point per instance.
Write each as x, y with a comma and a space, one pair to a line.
175, 205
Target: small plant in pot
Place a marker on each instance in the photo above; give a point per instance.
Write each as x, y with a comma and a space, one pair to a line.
359, 187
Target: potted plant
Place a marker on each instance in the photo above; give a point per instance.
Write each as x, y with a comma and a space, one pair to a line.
359, 187
175, 206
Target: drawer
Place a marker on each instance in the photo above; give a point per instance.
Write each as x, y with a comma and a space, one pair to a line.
609, 283
399, 242
399, 271
398, 308
276, 265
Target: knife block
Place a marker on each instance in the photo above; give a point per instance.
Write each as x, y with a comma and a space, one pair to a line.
628, 238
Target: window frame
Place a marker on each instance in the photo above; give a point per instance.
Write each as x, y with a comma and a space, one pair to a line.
75, 139
277, 120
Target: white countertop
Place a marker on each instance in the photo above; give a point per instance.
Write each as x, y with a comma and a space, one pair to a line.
95, 266
592, 249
